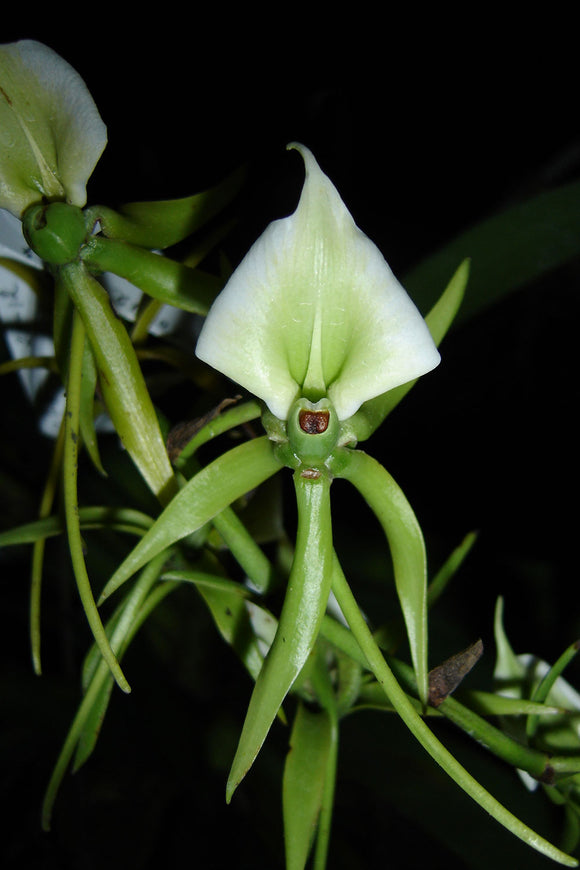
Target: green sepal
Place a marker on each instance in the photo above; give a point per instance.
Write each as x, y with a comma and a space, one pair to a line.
207, 493
372, 413
303, 782
388, 503
302, 612
161, 224
121, 380
160, 277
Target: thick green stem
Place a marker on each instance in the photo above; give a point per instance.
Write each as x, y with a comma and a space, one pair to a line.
121, 380
164, 279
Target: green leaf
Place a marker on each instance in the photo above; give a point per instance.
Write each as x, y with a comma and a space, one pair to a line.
212, 425
423, 733
449, 568
390, 635
70, 475
551, 680
245, 550
507, 251
121, 380
211, 490
84, 730
163, 223
388, 503
121, 519
302, 612
303, 782
490, 704
48, 497
87, 409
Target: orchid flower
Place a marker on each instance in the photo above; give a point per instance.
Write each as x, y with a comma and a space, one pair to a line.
51, 133
314, 310
315, 325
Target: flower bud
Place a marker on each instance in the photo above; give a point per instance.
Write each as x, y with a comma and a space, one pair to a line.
55, 232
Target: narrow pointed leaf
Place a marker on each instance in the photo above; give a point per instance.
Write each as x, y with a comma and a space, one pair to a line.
302, 613
84, 729
205, 495
405, 538
425, 736
507, 250
87, 409
303, 783
70, 476
122, 519
38, 550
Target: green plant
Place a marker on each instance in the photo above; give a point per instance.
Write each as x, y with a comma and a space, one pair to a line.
317, 330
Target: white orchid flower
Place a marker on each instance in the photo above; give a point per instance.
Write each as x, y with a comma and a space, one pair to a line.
314, 310
51, 133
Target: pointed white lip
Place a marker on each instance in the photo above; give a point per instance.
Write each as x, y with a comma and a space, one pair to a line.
314, 308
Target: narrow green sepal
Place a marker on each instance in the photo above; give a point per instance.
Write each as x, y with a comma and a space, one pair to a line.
211, 490
302, 613
388, 503
163, 223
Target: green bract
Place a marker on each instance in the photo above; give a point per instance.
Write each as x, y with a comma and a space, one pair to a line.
51, 134
314, 310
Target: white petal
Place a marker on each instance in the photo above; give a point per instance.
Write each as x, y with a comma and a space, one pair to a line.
51, 134
314, 309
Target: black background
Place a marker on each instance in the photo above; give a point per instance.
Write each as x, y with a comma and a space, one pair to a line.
426, 126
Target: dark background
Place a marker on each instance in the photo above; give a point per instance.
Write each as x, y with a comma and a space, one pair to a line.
426, 126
